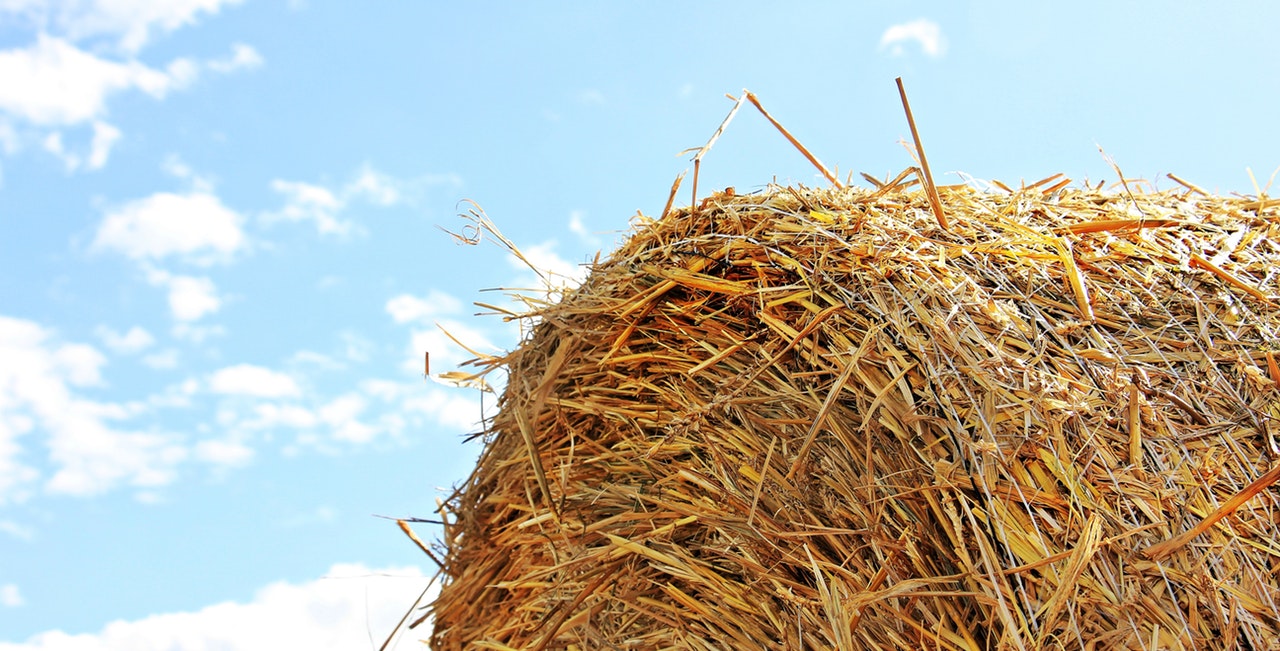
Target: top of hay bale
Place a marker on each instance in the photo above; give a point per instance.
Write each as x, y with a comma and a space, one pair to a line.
851, 418
815, 419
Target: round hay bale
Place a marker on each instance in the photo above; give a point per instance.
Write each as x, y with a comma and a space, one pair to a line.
815, 419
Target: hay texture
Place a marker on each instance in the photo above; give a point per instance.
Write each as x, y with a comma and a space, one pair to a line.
815, 419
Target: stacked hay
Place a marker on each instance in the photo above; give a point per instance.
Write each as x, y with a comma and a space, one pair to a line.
810, 419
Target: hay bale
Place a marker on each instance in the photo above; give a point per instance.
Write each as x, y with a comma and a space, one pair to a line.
814, 419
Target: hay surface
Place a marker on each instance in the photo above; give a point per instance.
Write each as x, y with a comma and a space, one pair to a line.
810, 419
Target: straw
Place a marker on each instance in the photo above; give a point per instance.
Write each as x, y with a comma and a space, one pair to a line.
797, 419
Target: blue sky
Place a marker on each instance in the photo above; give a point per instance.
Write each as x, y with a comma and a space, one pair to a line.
222, 255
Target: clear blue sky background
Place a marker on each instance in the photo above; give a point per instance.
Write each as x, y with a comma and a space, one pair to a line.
221, 261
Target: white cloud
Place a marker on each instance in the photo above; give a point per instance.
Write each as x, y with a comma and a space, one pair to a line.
195, 226
224, 452
578, 227
268, 416
104, 137
374, 186
17, 531
308, 202
130, 22
340, 611
93, 458
250, 380
55, 83
923, 31
58, 82
8, 137
318, 360
87, 453
165, 359
243, 57
447, 407
406, 307
543, 257
342, 415
190, 298
456, 409
445, 352
355, 347
177, 395
10, 597
323, 205
195, 334
132, 342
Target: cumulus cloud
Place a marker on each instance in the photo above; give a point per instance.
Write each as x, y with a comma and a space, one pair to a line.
55, 83
926, 33
190, 298
132, 342
405, 308
195, 227
58, 84
88, 453
250, 380
345, 609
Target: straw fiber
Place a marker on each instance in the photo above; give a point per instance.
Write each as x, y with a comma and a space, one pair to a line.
816, 419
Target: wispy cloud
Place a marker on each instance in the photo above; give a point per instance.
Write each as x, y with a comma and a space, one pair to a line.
308, 202
16, 530
324, 205
243, 57
10, 596
341, 610
926, 33
592, 96
578, 226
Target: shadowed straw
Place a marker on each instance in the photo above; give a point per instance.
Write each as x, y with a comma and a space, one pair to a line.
813, 419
